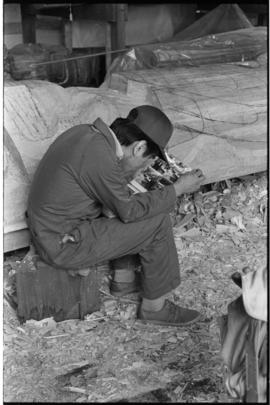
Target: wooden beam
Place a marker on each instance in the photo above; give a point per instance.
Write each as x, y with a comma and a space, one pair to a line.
67, 27
16, 240
118, 28
28, 23
108, 45
102, 12
12, 28
42, 23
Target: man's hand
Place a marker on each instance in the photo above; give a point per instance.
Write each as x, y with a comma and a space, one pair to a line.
189, 182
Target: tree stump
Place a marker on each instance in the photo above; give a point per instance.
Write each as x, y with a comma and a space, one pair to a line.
44, 291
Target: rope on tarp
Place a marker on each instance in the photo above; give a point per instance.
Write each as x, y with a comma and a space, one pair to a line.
35, 64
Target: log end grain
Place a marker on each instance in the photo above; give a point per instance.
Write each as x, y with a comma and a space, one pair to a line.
44, 291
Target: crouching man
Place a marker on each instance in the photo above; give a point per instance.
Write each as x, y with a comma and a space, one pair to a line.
88, 168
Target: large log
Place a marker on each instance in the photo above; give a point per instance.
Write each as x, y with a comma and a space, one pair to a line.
15, 196
35, 113
219, 114
232, 46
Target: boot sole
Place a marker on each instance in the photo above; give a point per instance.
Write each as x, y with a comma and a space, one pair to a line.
164, 323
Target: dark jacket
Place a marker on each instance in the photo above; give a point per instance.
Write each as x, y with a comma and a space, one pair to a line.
78, 175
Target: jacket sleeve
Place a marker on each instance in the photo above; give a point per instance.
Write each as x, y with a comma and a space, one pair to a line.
102, 179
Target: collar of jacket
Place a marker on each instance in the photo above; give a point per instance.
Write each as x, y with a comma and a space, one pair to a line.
110, 136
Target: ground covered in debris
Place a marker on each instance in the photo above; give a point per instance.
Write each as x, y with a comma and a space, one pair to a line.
112, 357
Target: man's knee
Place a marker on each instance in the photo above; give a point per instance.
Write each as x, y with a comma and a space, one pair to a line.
164, 225
165, 221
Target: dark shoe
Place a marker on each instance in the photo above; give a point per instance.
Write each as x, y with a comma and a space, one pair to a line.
119, 289
169, 315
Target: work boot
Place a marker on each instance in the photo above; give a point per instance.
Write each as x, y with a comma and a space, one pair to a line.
169, 315
118, 289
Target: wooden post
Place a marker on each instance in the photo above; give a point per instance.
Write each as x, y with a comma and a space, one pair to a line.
108, 45
28, 23
67, 34
118, 28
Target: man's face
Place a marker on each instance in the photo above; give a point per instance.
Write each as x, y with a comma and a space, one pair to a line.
133, 160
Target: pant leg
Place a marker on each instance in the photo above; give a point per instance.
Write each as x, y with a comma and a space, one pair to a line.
160, 266
105, 239
152, 240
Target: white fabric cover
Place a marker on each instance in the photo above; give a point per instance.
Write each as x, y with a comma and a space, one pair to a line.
254, 287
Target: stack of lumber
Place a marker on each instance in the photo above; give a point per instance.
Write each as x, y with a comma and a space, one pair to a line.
232, 46
219, 113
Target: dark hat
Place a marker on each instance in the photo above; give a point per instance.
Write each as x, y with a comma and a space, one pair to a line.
154, 123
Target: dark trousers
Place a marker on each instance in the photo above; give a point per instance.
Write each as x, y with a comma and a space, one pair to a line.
106, 239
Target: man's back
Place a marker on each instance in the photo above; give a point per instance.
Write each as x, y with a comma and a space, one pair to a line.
61, 197
57, 198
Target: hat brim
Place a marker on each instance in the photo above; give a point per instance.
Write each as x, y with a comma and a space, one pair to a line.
162, 155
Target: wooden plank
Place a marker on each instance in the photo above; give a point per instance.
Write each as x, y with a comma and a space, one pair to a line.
16, 240
102, 12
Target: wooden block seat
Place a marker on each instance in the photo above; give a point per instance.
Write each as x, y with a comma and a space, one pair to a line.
44, 291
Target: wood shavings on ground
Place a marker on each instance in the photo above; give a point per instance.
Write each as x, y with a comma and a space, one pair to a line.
112, 357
